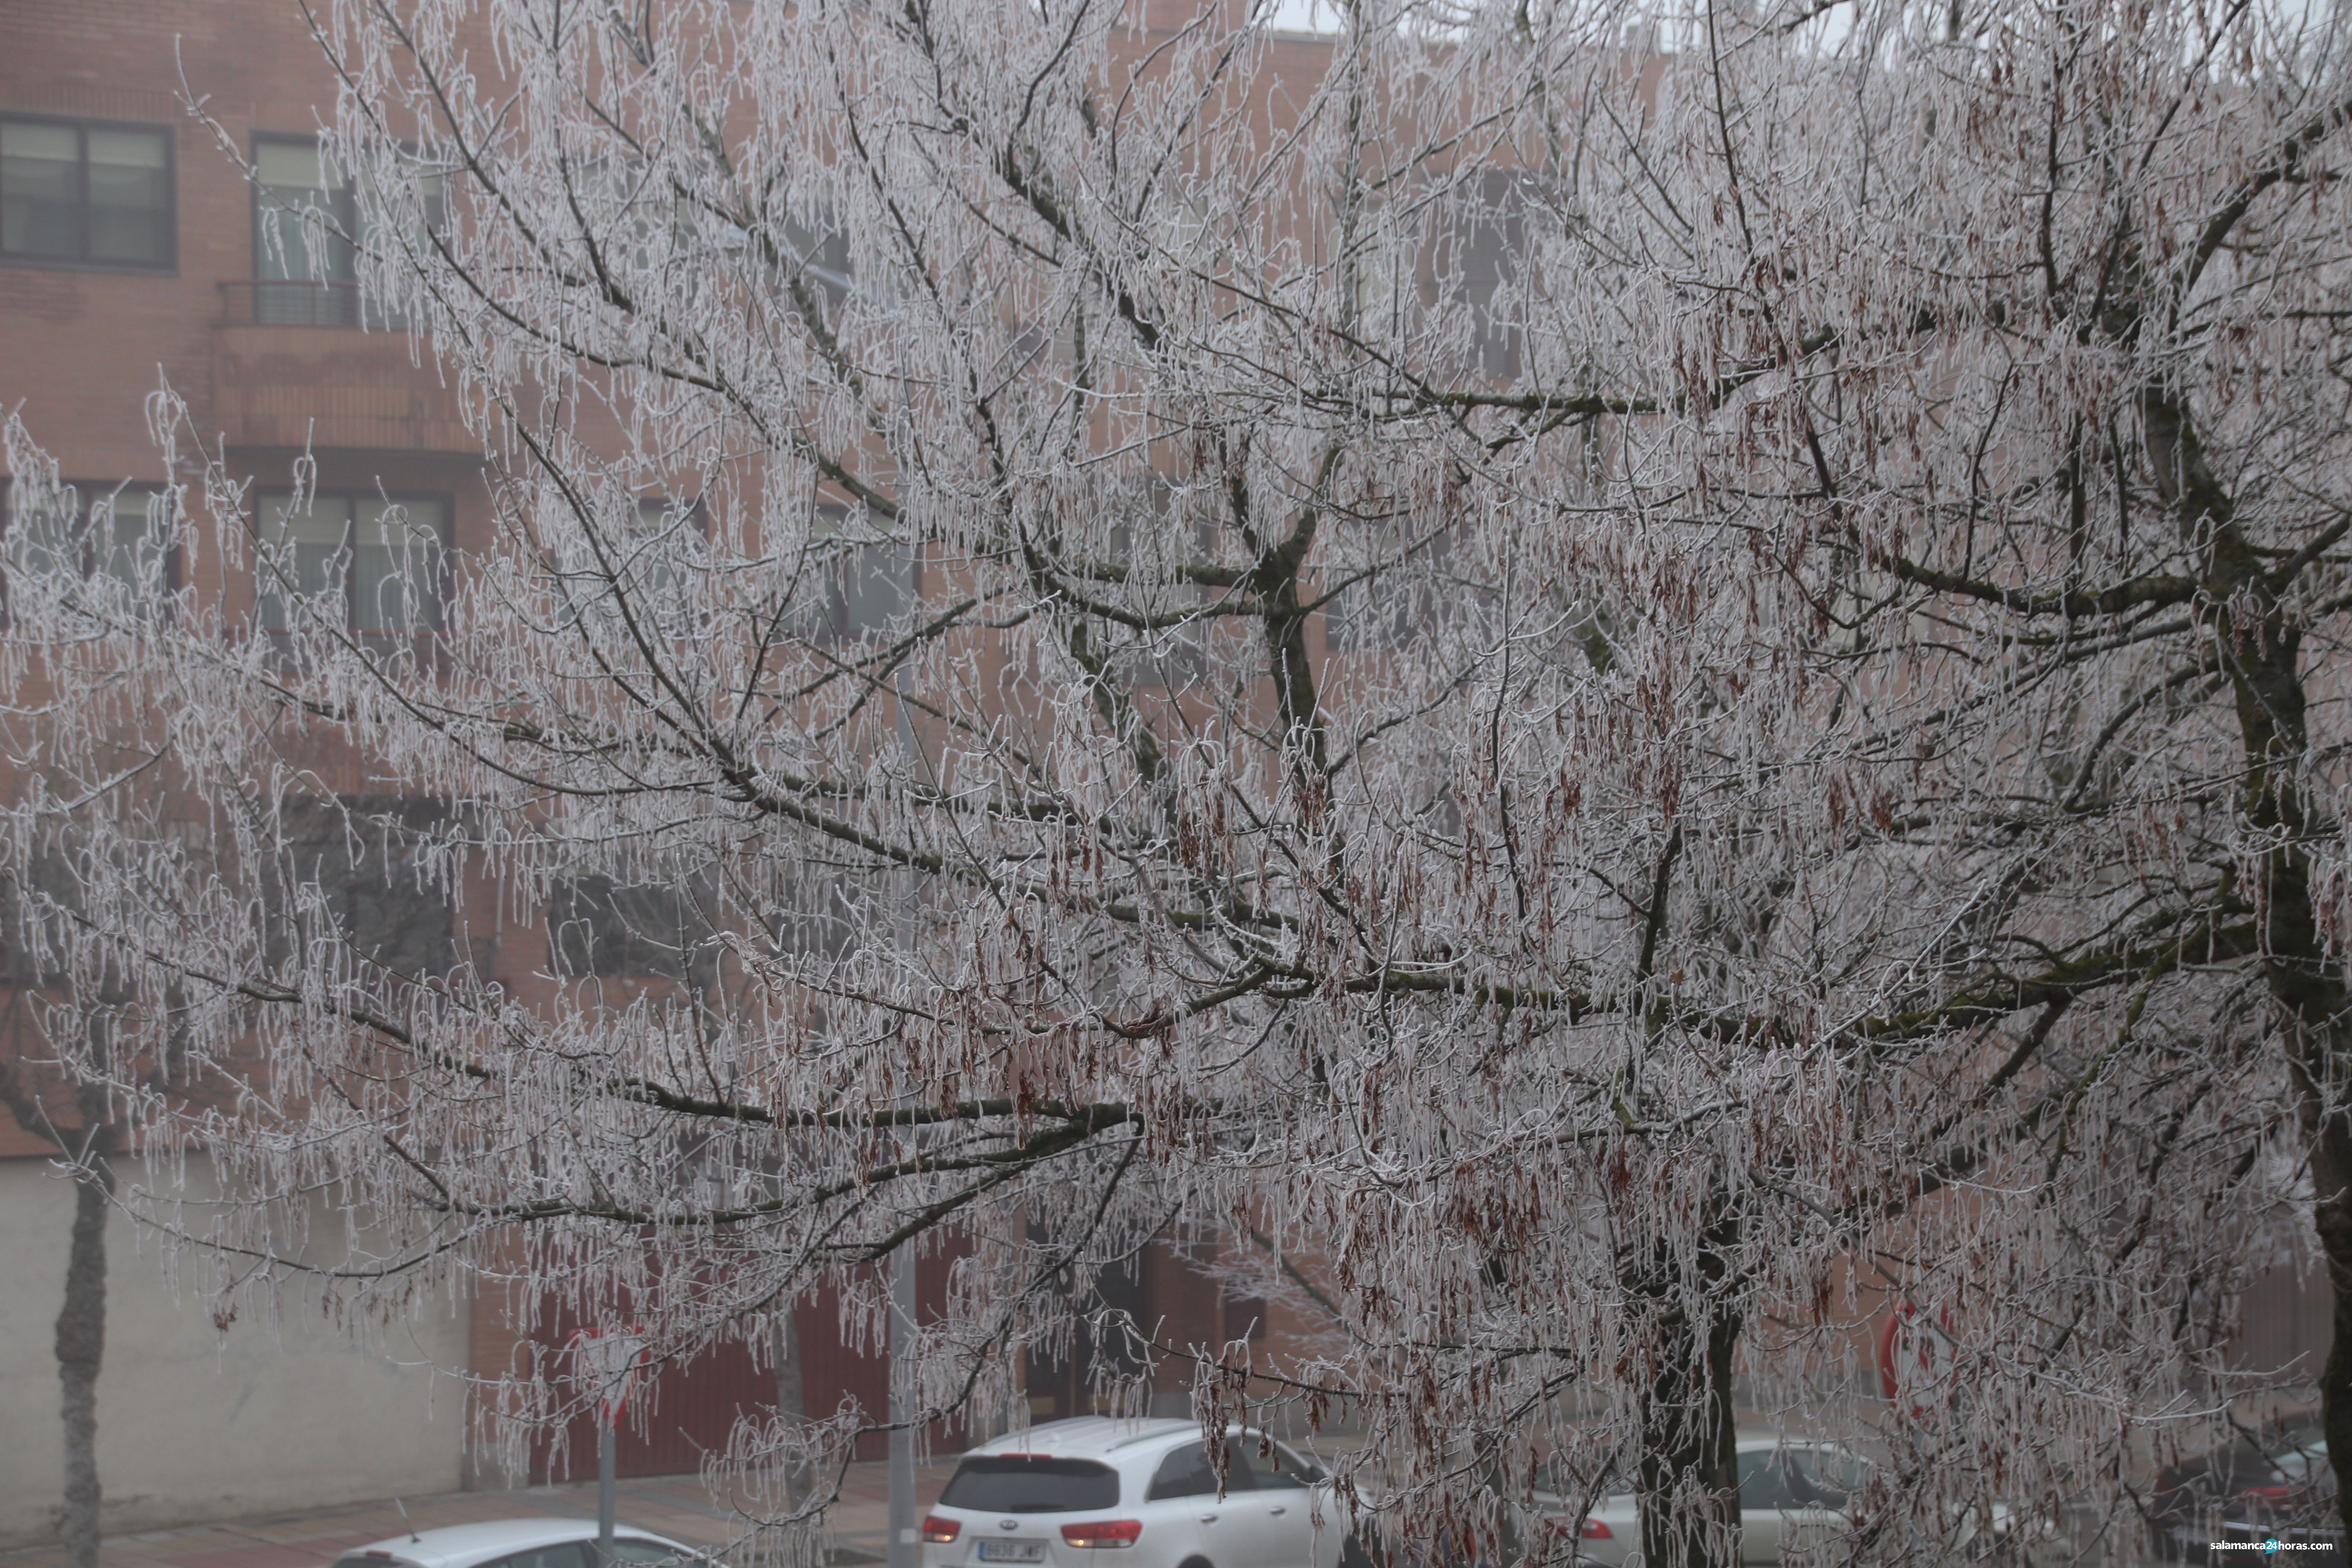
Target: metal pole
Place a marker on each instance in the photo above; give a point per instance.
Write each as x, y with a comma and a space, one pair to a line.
903, 1551
607, 1471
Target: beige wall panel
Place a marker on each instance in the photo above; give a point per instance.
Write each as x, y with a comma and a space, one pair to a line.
193, 1423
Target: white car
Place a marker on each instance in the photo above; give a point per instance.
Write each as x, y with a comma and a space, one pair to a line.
517, 1543
1793, 1498
1102, 1493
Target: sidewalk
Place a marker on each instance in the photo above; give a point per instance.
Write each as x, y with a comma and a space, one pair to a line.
674, 1506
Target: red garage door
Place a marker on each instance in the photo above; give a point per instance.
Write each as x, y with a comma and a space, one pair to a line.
688, 1410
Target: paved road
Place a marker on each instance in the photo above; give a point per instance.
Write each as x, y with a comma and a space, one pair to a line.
674, 1506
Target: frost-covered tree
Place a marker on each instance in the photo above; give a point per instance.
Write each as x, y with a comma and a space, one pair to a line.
1611, 681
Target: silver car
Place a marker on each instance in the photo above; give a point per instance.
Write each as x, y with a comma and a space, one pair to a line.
517, 1543
1795, 1497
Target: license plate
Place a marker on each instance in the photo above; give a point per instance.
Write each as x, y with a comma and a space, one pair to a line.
1012, 1552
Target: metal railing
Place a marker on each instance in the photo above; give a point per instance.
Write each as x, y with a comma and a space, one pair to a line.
289, 302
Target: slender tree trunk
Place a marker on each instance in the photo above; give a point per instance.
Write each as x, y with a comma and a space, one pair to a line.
791, 1396
81, 1350
80, 1342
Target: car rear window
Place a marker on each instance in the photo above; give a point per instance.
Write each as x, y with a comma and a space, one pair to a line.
1024, 1483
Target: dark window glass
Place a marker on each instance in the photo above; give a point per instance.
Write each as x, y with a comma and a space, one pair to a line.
382, 560
27, 954
130, 196
302, 257
1824, 1477
370, 860
1013, 1483
1188, 1472
1244, 1317
1184, 1473
863, 587
308, 232
121, 531
1271, 1471
1484, 254
1764, 1483
85, 193
627, 1551
600, 927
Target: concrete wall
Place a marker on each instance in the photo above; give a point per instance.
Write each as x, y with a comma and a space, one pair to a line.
196, 1424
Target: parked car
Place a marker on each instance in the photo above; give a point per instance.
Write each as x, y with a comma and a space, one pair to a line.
2248, 1493
517, 1543
2246, 1489
1795, 1495
1103, 1493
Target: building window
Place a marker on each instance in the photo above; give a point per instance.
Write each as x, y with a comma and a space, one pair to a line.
307, 234
373, 860
303, 266
649, 567
367, 561
86, 194
119, 533
864, 587
1385, 611
608, 930
1244, 1316
1484, 263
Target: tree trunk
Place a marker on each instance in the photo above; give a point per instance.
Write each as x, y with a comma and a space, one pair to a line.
2262, 657
80, 1347
1689, 1478
791, 1396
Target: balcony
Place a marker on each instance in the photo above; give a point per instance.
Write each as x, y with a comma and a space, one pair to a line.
270, 303
299, 364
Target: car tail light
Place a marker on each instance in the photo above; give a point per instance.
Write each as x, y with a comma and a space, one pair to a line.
939, 1531
2268, 1494
1567, 1524
1103, 1532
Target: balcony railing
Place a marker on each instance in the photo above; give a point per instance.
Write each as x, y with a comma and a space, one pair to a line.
273, 302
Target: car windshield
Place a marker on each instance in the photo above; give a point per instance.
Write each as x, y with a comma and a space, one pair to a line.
1030, 1483
1782, 1478
1830, 1476
2300, 1442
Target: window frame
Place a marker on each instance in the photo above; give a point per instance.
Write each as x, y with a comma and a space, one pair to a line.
357, 893
831, 621
85, 491
332, 300
445, 500
169, 267
595, 915
342, 295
